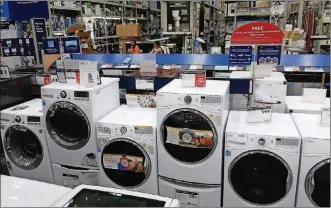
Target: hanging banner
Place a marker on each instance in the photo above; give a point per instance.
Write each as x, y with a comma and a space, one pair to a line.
71, 45
257, 33
51, 46
25, 10
178, 16
268, 55
240, 55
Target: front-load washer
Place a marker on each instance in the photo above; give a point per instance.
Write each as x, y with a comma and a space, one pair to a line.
21, 192
24, 141
261, 161
71, 177
314, 174
97, 196
126, 140
295, 104
191, 123
71, 113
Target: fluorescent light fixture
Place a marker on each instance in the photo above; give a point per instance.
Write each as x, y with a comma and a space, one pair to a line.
113, 18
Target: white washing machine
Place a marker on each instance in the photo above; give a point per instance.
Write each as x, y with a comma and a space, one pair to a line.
261, 161
24, 141
314, 174
294, 104
127, 149
71, 113
97, 196
191, 124
20, 192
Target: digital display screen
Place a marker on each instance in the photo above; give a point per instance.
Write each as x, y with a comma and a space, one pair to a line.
50, 44
95, 198
33, 119
81, 94
71, 43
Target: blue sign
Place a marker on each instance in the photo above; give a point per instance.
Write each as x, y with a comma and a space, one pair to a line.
51, 46
25, 10
240, 55
71, 45
4, 11
268, 55
17, 47
40, 31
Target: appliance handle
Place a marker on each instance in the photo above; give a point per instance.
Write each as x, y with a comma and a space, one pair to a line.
311, 185
19, 129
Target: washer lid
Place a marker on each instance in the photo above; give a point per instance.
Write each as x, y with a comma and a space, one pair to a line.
317, 184
126, 163
260, 177
23, 147
188, 136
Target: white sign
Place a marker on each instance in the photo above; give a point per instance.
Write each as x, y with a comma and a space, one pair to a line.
187, 197
145, 83
325, 117
4, 72
259, 114
277, 9
193, 78
88, 72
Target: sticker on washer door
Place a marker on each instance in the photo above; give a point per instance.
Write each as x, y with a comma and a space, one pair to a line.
123, 162
187, 197
190, 137
70, 180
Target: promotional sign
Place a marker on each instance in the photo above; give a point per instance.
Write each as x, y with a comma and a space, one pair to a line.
71, 45
123, 162
178, 16
4, 11
259, 114
26, 47
240, 55
145, 83
10, 47
268, 55
39, 31
25, 10
257, 33
51, 46
193, 78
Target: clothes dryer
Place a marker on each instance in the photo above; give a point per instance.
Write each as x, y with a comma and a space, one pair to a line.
24, 141
261, 161
314, 174
71, 113
191, 124
295, 104
127, 149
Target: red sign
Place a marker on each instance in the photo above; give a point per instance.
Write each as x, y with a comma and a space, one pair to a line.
257, 33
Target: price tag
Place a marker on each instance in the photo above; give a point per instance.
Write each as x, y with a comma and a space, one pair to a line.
195, 67
193, 78
145, 83
314, 69
88, 73
187, 197
325, 117
259, 114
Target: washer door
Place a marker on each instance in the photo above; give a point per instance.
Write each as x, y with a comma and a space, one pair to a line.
68, 125
126, 163
23, 147
260, 177
188, 135
317, 184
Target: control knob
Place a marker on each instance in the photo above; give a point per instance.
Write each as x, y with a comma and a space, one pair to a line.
123, 130
63, 94
261, 141
187, 99
17, 119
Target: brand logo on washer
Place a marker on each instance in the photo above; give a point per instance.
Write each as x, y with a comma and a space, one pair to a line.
90, 160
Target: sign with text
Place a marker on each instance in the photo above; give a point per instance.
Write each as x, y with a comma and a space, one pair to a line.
71, 45
268, 55
51, 46
39, 26
240, 55
193, 78
178, 16
257, 33
259, 114
145, 83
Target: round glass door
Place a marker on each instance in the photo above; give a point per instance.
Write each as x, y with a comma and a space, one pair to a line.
317, 184
125, 163
188, 135
68, 125
23, 147
260, 177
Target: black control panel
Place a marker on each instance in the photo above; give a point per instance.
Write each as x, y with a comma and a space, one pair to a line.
33, 119
81, 94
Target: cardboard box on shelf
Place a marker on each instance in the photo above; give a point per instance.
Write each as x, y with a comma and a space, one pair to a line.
73, 29
295, 35
133, 30
120, 30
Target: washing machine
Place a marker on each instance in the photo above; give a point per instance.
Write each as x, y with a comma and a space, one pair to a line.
126, 140
97, 196
261, 161
71, 113
24, 141
295, 104
21, 192
191, 123
314, 174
